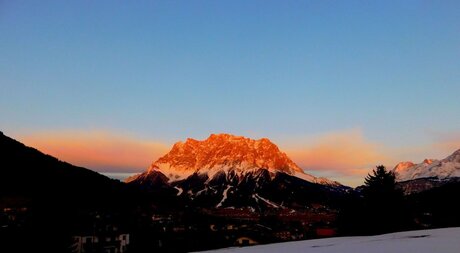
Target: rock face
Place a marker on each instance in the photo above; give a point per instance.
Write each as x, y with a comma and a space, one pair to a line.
225, 153
233, 171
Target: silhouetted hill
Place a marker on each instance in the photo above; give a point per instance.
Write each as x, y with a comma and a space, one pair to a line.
437, 207
29, 173
44, 201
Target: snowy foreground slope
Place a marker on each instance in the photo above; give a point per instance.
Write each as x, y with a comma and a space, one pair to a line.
446, 240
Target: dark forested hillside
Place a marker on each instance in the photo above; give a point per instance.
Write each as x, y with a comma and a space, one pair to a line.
42, 198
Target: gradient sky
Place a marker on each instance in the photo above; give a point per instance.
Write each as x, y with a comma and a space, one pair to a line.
341, 86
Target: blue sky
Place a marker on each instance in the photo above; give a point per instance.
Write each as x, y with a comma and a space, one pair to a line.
287, 70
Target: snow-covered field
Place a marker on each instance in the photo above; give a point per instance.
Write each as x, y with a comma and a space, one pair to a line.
445, 240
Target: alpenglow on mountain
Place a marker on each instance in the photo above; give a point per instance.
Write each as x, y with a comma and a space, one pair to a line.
226, 153
429, 168
227, 171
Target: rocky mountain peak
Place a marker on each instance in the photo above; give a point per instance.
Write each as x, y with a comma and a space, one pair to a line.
225, 153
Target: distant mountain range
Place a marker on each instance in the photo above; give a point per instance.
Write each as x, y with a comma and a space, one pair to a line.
219, 168
428, 174
441, 169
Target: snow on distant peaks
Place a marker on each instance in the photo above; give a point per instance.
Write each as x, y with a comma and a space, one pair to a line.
428, 161
441, 169
226, 152
403, 166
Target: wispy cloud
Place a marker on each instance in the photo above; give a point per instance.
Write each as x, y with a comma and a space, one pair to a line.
343, 153
348, 156
98, 150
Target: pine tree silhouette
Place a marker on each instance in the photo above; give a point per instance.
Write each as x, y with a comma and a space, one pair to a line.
379, 207
383, 202
381, 183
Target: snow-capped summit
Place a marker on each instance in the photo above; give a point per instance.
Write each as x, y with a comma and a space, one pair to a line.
228, 171
403, 166
429, 168
226, 153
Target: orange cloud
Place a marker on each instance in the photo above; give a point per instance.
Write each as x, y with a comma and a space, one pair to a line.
345, 153
98, 150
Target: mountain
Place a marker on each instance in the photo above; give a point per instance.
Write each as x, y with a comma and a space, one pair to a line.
225, 153
233, 171
428, 174
441, 169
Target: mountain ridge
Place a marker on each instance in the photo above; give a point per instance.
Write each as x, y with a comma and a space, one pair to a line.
430, 173
448, 167
226, 152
